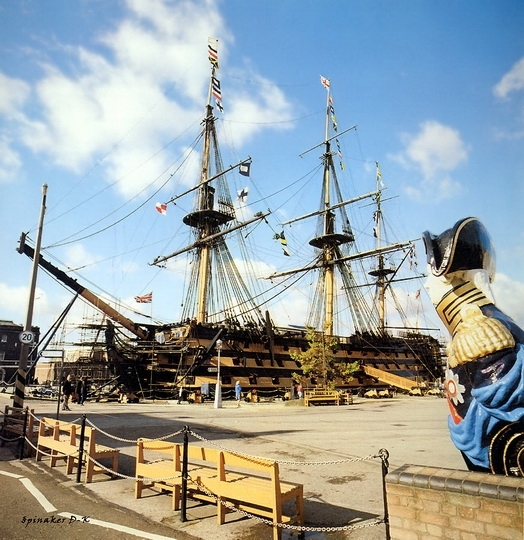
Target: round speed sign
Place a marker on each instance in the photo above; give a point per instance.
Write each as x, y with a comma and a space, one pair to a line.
26, 337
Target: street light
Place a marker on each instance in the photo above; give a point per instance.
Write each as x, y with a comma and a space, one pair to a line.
218, 390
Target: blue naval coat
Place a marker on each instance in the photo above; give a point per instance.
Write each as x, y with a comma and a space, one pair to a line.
486, 394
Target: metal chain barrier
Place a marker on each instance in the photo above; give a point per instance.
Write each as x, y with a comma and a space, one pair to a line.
232, 507
283, 461
382, 454
174, 434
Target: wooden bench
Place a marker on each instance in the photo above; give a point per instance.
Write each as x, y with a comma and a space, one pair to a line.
254, 486
63, 441
13, 424
159, 465
247, 483
318, 396
346, 398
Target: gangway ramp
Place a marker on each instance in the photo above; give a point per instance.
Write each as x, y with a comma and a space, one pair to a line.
390, 378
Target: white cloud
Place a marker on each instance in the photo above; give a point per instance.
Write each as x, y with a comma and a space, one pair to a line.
508, 296
119, 109
13, 94
77, 257
435, 152
10, 162
512, 81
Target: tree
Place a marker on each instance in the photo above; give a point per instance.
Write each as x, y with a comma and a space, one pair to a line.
319, 360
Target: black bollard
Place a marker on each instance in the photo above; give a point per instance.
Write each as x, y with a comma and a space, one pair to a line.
183, 502
383, 454
22, 440
81, 449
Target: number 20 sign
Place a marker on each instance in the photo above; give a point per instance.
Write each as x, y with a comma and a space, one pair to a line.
27, 337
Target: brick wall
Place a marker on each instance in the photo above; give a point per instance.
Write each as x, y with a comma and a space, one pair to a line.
428, 502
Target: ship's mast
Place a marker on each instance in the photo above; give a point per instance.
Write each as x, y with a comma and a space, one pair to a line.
205, 219
381, 272
329, 241
216, 291
205, 198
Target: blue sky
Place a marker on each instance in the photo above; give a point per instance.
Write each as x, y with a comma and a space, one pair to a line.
98, 99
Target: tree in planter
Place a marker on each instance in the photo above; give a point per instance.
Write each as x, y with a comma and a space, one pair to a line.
319, 362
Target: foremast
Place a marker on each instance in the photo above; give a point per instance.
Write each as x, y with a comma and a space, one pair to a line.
217, 292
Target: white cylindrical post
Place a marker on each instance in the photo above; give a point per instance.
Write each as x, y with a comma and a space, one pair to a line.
218, 389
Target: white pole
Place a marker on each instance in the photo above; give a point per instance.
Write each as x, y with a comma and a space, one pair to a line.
218, 390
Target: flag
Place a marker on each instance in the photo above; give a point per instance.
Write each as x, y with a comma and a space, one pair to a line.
283, 241
340, 154
212, 51
161, 208
217, 92
379, 175
245, 168
146, 299
242, 195
325, 82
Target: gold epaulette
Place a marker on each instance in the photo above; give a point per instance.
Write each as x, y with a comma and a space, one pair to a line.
450, 306
476, 336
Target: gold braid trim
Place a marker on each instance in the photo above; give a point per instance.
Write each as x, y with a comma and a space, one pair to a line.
449, 307
477, 336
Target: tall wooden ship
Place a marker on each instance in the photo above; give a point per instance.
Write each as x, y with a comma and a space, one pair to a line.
220, 308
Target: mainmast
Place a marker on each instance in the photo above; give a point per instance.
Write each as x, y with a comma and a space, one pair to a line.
329, 241
337, 257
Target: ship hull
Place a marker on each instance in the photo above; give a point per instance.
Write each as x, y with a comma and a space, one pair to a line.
187, 357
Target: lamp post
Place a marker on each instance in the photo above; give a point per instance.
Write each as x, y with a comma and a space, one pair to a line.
218, 390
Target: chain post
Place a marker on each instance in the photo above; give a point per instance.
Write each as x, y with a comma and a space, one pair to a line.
383, 454
22, 440
183, 502
81, 449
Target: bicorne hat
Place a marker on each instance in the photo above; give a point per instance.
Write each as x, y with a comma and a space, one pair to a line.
466, 246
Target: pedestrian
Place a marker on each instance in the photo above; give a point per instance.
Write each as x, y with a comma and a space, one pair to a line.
180, 394
67, 390
82, 389
238, 391
300, 391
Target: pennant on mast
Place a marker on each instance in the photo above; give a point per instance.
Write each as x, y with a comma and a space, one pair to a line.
212, 51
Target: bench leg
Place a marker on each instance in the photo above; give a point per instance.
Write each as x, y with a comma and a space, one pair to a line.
115, 465
299, 502
277, 518
221, 511
90, 470
176, 497
55, 456
139, 486
70, 464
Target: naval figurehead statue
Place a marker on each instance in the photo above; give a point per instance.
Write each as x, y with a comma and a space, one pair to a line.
485, 356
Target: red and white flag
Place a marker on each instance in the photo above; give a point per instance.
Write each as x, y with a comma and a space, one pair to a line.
325, 82
161, 208
146, 299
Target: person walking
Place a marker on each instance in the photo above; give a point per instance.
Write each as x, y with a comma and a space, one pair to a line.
67, 390
238, 392
82, 390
